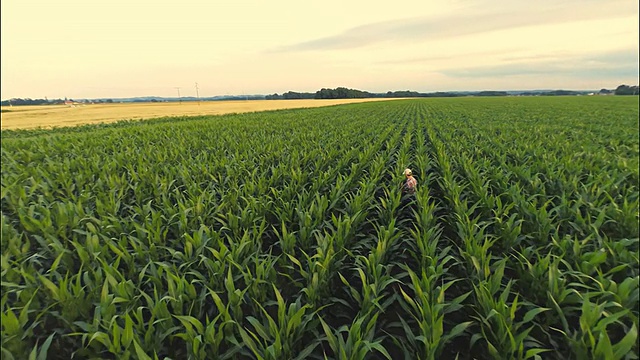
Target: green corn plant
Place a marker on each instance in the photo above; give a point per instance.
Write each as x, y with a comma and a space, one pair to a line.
356, 341
235, 298
344, 229
428, 308
476, 244
623, 252
389, 205
386, 238
507, 223
287, 240
625, 293
195, 243
426, 236
259, 274
370, 296
219, 332
15, 327
626, 216
592, 339
502, 332
281, 337
318, 270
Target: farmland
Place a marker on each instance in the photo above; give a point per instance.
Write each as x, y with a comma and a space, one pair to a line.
285, 235
50, 116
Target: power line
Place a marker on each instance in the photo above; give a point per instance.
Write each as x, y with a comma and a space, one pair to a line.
179, 98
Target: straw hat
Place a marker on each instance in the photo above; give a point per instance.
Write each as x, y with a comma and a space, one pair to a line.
407, 172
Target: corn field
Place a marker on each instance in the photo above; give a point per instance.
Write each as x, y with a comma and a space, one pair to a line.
285, 234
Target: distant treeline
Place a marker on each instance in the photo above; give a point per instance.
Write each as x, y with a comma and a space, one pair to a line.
28, 101
337, 93
345, 93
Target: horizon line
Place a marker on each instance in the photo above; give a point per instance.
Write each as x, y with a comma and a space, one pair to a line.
307, 92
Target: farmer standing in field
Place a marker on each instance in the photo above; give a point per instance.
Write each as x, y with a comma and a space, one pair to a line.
407, 204
409, 186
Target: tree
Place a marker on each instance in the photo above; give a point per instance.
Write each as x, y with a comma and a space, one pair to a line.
626, 90
273, 97
342, 93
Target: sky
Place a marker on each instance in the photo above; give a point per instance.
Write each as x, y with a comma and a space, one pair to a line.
117, 48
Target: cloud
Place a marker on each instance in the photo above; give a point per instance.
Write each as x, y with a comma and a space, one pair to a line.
621, 63
628, 57
471, 21
447, 57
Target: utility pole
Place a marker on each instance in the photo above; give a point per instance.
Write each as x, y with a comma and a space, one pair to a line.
179, 98
197, 94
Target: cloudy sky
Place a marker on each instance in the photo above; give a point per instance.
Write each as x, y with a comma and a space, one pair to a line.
117, 48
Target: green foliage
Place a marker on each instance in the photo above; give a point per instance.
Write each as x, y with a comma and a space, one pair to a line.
285, 234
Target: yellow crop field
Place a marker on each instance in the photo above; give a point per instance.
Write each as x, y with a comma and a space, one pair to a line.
47, 116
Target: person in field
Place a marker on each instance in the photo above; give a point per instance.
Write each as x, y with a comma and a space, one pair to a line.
410, 184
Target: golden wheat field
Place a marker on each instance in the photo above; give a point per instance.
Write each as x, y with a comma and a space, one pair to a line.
47, 116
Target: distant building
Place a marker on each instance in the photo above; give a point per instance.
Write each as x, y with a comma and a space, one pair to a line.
71, 103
